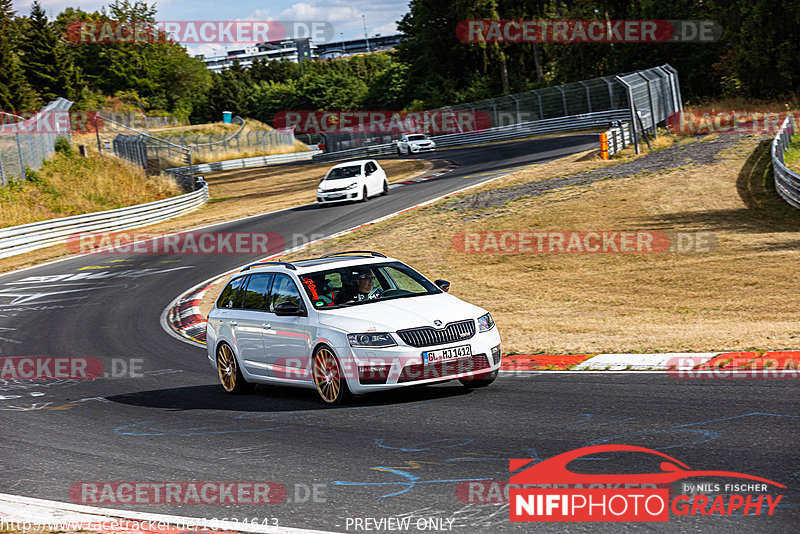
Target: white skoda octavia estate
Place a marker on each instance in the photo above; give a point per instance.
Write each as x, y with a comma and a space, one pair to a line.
347, 323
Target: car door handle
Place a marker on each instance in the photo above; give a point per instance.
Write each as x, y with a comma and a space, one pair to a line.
233, 323
266, 326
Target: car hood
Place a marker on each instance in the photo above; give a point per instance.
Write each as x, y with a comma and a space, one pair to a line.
398, 314
327, 185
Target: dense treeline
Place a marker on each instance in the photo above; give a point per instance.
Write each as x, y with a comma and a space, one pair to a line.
756, 57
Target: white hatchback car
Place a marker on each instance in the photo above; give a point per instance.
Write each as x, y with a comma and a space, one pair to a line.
347, 323
352, 181
413, 143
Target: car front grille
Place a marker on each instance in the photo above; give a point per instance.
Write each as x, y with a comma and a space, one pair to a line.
420, 371
427, 336
335, 189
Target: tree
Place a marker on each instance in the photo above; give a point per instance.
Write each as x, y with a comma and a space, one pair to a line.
15, 93
47, 64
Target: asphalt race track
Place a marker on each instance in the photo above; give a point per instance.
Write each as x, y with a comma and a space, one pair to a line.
397, 454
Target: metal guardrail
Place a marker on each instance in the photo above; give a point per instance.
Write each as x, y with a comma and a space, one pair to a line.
787, 182
24, 238
29, 142
244, 163
585, 121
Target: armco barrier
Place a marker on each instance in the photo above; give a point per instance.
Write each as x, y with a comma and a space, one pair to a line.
244, 163
787, 183
19, 239
585, 121
615, 139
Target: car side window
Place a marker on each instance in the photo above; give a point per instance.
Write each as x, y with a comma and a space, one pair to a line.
228, 297
256, 294
283, 290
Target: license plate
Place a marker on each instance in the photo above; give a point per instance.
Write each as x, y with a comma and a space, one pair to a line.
433, 356
335, 197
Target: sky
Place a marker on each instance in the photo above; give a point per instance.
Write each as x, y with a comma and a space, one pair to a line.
344, 15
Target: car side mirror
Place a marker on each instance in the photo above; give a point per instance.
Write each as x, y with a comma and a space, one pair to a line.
444, 285
288, 308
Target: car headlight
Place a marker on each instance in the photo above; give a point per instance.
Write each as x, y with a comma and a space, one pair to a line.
320, 190
371, 340
485, 322
352, 186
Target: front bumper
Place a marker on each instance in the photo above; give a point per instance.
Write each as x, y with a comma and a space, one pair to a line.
338, 196
416, 149
393, 367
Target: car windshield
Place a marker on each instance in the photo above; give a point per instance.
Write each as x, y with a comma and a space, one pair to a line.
416, 138
362, 284
351, 171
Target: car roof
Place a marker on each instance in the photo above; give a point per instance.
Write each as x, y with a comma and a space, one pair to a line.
313, 265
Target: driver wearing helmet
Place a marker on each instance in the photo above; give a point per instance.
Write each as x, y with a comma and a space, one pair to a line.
362, 288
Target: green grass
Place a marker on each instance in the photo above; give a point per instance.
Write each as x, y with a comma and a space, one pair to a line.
792, 156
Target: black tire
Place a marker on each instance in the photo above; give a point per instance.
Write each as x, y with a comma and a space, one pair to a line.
479, 382
385, 189
328, 378
399, 152
365, 197
230, 376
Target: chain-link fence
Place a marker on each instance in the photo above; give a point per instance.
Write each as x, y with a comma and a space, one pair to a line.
253, 142
652, 93
29, 142
652, 96
176, 154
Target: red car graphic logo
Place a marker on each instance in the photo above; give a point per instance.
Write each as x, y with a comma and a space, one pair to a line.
554, 470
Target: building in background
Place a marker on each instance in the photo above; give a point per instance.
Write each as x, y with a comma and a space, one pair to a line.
297, 50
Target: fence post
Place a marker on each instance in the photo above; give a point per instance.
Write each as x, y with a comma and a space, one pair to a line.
541, 108
563, 99
588, 96
2, 172
632, 109
21, 162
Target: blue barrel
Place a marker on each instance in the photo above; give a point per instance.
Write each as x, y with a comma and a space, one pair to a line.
226, 117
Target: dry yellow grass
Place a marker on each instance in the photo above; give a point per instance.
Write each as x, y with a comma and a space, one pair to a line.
738, 297
236, 194
208, 156
70, 185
